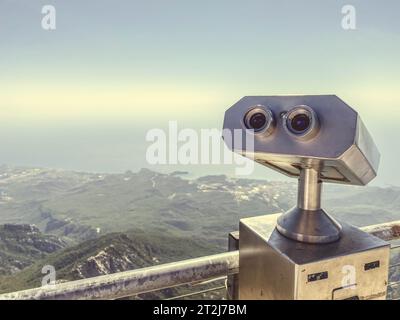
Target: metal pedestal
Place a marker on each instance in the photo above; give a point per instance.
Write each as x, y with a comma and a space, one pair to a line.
273, 266
308, 222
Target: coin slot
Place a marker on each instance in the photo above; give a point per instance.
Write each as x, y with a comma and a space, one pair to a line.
317, 276
371, 265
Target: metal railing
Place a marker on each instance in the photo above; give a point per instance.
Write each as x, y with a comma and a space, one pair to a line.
394, 277
131, 283
212, 268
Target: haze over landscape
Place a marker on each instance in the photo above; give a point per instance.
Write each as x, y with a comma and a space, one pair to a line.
76, 190
83, 96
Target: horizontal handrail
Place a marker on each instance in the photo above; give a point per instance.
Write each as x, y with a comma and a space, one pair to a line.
386, 231
131, 283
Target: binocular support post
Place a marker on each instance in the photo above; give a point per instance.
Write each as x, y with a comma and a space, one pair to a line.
309, 190
308, 222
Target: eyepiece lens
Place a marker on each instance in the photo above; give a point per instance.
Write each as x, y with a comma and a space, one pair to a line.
260, 120
300, 122
257, 121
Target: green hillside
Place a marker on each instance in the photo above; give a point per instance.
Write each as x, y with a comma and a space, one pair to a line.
88, 224
114, 252
22, 245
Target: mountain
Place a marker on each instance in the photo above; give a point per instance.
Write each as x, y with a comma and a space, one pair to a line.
22, 245
81, 206
89, 224
114, 252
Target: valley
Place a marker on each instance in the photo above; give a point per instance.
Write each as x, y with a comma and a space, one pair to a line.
89, 224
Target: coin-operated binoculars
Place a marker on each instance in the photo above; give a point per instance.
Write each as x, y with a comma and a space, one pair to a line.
305, 253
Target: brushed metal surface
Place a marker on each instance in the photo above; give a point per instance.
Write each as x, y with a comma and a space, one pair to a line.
275, 267
342, 149
309, 226
309, 190
334, 147
307, 222
232, 283
264, 273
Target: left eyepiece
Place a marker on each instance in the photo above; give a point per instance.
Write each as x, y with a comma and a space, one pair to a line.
260, 119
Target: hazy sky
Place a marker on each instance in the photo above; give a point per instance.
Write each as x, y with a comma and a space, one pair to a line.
83, 96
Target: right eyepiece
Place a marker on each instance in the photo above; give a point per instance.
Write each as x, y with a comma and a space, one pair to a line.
301, 122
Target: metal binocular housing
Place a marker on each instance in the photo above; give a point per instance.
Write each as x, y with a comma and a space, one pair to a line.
315, 138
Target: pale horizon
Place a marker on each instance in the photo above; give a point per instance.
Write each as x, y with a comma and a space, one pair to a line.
83, 96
